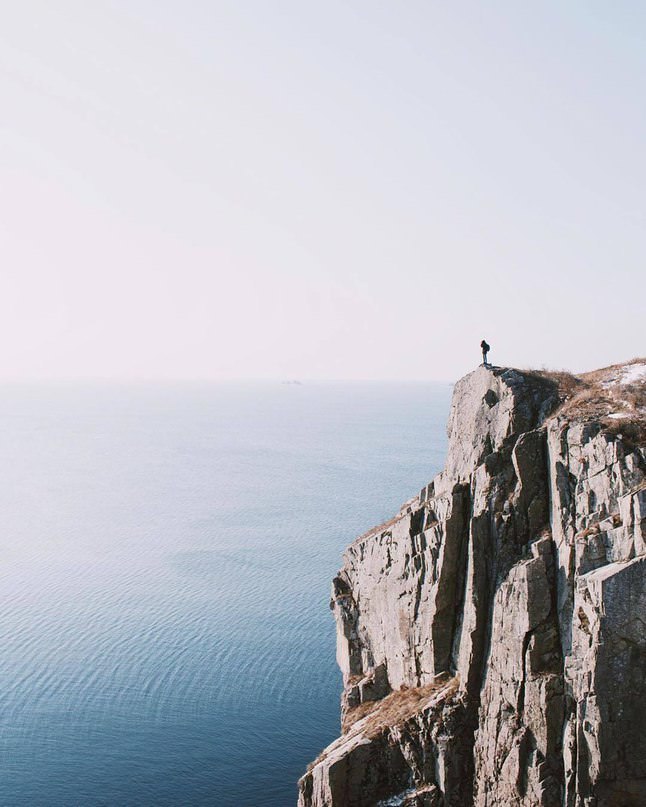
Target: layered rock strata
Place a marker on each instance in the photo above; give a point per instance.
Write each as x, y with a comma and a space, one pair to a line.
491, 635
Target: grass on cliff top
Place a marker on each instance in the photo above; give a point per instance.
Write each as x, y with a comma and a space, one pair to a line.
614, 395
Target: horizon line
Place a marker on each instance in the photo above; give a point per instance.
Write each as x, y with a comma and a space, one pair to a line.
285, 380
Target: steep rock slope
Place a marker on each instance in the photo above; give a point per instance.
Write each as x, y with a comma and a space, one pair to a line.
491, 635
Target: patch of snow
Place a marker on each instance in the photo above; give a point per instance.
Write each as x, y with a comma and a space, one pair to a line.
633, 373
617, 415
396, 801
613, 381
630, 374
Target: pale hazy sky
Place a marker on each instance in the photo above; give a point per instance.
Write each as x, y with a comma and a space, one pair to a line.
327, 189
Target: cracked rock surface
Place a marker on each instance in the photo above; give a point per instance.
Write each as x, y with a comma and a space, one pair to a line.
492, 634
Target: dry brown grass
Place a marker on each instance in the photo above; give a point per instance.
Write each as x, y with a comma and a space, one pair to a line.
566, 382
631, 431
598, 394
396, 708
357, 713
620, 409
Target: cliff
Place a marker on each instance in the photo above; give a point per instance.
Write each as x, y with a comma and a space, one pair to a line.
491, 635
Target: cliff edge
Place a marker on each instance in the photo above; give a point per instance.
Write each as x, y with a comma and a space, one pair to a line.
492, 634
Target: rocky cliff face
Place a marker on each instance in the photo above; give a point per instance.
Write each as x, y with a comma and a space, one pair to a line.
492, 634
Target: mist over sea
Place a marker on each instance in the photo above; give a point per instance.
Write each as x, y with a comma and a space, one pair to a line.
166, 554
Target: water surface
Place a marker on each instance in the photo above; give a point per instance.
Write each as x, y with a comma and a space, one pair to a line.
165, 561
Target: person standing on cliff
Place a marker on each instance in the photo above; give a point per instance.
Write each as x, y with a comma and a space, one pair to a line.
485, 349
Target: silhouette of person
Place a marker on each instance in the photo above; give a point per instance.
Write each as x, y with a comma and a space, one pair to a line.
485, 349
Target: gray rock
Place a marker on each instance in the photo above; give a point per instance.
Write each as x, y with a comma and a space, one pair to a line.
491, 635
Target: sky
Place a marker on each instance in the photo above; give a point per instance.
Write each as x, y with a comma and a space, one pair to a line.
320, 190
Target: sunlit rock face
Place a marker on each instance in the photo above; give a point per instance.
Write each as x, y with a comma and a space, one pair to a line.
491, 634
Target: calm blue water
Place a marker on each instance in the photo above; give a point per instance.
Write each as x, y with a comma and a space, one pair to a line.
165, 561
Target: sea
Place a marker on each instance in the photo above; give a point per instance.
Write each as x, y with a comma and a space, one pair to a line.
166, 553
